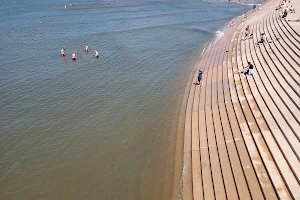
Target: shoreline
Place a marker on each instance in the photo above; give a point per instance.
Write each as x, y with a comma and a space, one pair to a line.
178, 160
179, 163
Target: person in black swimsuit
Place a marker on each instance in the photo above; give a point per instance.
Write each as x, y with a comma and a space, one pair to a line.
200, 77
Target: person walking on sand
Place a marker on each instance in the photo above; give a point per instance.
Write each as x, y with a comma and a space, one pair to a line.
200, 77
62, 52
86, 48
96, 54
74, 57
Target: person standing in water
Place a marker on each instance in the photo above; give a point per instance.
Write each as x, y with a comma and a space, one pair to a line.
96, 54
62, 52
86, 48
74, 57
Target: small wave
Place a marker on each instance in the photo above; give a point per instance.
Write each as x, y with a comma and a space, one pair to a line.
219, 35
249, 4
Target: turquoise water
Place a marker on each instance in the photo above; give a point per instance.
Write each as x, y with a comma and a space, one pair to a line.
96, 128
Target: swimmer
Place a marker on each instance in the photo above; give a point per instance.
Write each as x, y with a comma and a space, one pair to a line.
86, 48
62, 52
96, 54
65, 7
74, 57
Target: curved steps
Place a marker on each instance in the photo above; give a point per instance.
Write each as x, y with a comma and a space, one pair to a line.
242, 132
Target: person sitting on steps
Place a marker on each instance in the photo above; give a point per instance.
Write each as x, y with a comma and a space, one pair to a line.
292, 9
263, 38
248, 70
284, 14
247, 32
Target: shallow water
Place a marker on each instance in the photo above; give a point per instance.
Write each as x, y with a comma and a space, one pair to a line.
96, 128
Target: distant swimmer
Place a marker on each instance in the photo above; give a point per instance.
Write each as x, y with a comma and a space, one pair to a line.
108, 1
65, 7
86, 48
96, 54
62, 52
74, 57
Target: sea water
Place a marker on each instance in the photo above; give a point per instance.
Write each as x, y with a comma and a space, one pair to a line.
97, 128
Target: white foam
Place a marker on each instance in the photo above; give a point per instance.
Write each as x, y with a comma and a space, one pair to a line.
249, 4
219, 35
